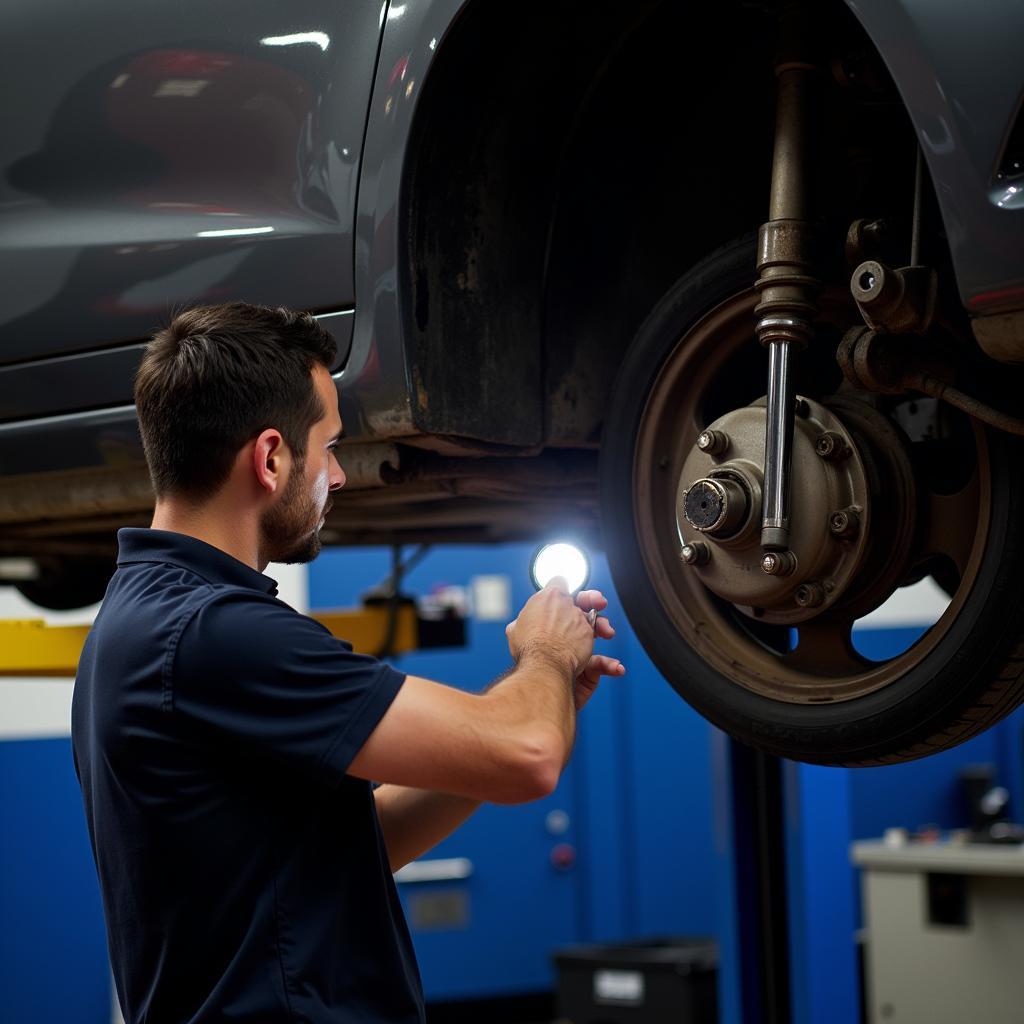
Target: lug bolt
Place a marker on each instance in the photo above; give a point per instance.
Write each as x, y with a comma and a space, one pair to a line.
712, 442
779, 563
831, 446
697, 553
845, 523
810, 595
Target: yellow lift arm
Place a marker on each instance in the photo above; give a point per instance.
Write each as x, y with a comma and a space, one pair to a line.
29, 647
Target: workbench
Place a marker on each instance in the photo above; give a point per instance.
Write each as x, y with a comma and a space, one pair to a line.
945, 931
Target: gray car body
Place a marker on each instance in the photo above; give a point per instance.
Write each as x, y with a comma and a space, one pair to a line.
100, 239
958, 69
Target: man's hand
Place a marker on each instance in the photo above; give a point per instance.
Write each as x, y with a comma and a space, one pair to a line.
598, 665
553, 627
550, 622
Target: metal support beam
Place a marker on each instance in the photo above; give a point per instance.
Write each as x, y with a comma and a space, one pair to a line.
761, 869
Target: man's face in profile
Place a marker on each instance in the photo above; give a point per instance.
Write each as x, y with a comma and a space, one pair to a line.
291, 526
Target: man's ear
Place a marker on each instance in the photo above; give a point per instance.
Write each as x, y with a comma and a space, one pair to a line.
269, 457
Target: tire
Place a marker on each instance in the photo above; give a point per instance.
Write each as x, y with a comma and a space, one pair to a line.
964, 675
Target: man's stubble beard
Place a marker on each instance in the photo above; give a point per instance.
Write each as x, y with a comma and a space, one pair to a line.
290, 528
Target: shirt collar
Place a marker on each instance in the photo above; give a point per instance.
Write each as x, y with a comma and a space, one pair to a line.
214, 565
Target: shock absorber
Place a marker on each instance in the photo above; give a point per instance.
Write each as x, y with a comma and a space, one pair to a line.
787, 288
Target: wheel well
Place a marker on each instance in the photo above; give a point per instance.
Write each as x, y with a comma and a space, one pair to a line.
565, 171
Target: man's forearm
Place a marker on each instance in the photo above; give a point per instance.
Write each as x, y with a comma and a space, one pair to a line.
416, 820
540, 689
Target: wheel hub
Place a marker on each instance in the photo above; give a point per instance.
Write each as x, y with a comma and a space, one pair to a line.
719, 503
717, 506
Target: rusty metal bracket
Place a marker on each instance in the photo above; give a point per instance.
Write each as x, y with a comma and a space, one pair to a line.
893, 365
865, 239
897, 301
870, 364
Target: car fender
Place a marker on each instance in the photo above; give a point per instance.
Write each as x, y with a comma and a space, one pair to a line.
958, 70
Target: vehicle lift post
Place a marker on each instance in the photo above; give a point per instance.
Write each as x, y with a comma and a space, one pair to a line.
786, 896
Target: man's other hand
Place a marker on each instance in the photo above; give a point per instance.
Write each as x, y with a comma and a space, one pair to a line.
598, 665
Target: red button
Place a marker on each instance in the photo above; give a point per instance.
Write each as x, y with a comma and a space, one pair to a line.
563, 856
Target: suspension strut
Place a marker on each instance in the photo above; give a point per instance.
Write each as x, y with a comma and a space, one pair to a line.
787, 288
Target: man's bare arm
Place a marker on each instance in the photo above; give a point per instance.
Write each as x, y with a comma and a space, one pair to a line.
488, 762
416, 820
507, 746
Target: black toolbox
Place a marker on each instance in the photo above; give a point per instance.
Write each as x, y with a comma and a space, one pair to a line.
656, 981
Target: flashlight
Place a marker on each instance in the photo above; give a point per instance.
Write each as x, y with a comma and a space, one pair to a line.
559, 558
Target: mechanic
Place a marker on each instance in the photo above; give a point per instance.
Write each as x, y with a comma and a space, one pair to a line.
224, 742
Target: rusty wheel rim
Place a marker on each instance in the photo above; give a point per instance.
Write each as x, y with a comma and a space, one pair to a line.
824, 667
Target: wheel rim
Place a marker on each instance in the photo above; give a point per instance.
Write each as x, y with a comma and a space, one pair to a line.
824, 667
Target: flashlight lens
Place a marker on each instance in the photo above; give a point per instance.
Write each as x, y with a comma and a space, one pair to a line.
560, 559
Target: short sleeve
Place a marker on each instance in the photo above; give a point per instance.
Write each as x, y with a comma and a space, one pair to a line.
258, 675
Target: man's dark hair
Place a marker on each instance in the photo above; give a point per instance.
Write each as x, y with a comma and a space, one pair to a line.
217, 377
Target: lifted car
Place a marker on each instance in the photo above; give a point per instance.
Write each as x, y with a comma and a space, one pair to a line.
534, 231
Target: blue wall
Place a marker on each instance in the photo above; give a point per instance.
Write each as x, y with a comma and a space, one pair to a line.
53, 954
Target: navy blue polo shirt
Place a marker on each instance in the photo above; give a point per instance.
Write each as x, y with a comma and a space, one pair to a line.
244, 873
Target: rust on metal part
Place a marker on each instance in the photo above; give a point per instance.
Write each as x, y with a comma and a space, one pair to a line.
708, 490
895, 364
786, 282
902, 525
895, 300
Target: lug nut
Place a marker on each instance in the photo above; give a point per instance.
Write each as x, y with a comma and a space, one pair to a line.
779, 563
712, 442
810, 595
831, 446
845, 523
697, 553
